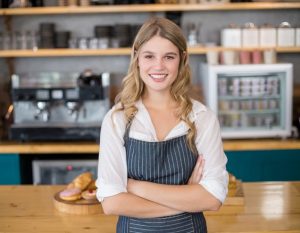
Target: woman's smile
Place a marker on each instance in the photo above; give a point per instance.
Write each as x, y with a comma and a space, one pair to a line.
158, 77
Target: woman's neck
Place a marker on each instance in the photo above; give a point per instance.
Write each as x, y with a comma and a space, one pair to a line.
158, 100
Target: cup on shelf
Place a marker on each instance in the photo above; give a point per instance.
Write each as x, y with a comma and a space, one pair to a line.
103, 43
269, 56
83, 43
93, 43
32, 40
212, 55
256, 57
115, 42
73, 43
245, 57
229, 57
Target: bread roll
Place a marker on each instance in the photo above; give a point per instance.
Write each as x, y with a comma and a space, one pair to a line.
82, 181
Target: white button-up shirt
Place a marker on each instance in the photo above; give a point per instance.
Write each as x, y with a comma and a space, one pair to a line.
112, 169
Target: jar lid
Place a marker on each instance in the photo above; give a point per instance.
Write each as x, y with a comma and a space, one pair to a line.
249, 25
285, 25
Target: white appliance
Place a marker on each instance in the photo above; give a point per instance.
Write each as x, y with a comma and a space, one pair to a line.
251, 101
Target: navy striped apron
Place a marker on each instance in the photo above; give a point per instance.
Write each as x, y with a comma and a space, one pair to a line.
164, 162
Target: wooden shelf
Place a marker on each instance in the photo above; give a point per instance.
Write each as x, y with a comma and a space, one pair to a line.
65, 52
117, 51
151, 8
92, 147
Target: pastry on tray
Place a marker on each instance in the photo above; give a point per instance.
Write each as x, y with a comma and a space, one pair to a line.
89, 194
92, 185
70, 194
232, 181
81, 181
83, 186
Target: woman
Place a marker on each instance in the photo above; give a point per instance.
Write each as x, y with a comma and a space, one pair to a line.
161, 161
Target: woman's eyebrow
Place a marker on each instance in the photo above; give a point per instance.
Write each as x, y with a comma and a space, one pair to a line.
168, 53
147, 52
172, 53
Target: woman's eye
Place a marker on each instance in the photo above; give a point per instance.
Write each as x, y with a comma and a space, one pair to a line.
148, 56
169, 57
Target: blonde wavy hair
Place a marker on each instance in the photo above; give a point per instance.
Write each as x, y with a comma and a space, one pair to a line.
133, 86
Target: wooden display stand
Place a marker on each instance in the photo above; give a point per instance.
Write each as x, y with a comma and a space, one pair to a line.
79, 207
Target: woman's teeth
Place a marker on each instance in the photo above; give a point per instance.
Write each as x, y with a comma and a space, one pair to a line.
158, 76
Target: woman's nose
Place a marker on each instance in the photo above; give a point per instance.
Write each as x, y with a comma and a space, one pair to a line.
159, 63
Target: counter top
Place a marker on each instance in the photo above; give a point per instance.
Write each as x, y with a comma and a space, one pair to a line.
269, 206
93, 147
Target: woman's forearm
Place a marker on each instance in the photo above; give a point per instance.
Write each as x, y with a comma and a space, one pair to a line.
187, 198
128, 204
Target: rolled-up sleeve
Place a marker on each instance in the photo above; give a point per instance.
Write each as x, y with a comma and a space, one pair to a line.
112, 168
209, 144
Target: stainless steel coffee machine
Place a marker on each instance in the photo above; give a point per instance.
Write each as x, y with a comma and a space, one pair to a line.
56, 106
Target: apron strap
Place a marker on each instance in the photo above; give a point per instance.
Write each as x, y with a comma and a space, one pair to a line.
127, 129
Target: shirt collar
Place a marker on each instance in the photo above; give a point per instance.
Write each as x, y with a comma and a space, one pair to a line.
196, 109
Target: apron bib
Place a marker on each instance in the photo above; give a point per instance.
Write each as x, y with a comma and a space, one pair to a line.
165, 162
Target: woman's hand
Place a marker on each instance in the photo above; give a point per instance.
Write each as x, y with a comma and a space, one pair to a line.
198, 171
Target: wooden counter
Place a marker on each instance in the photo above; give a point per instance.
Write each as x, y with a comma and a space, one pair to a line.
92, 147
269, 207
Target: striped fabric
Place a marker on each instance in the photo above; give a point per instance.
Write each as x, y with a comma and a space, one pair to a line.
165, 162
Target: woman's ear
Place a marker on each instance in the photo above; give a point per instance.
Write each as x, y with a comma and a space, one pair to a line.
185, 57
184, 54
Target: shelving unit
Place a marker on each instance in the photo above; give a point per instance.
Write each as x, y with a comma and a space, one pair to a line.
137, 8
152, 8
8, 14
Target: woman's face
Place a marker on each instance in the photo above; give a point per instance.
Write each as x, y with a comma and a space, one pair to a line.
158, 62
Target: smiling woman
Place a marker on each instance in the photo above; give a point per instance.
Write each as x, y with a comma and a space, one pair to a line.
161, 162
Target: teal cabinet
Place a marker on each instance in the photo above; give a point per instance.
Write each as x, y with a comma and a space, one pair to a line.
264, 165
9, 169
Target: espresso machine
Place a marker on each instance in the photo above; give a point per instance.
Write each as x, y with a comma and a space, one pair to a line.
56, 107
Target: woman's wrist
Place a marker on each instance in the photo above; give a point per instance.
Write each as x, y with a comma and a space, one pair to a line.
135, 187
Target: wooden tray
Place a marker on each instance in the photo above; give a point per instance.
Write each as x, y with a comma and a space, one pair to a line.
79, 207
235, 196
